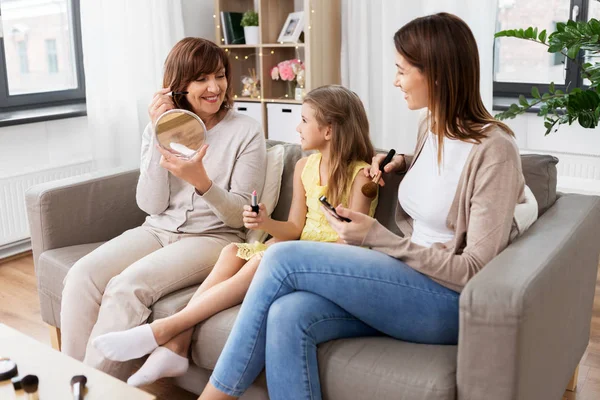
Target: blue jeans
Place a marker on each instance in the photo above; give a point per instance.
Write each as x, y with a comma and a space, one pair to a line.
306, 293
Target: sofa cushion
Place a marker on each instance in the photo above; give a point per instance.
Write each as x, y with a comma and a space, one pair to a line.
360, 368
51, 269
53, 266
293, 152
540, 175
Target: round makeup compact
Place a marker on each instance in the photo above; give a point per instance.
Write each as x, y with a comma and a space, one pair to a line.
8, 369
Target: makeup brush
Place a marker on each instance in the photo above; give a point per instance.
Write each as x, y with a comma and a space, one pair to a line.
78, 385
177, 94
370, 189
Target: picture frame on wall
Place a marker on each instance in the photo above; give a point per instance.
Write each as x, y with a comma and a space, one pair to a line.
292, 28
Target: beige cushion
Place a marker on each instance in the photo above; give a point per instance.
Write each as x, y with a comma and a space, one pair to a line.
361, 368
540, 175
270, 194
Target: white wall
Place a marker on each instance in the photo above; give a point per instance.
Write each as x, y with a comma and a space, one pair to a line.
198, 18
577, 149
43, 145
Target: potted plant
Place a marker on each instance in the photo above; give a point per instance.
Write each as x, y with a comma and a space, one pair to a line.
576, 104
250, 24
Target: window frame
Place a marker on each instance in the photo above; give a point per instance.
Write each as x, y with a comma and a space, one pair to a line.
573, 76
10, 103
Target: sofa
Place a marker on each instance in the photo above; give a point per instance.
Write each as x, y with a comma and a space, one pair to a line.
524, 319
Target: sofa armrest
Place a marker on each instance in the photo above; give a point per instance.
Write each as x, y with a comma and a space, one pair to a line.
88, 208
525, 318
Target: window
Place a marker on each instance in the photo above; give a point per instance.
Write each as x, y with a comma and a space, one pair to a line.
52, 57
41, 61
23, 59
519, 64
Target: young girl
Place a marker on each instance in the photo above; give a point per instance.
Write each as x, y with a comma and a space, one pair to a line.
335, 124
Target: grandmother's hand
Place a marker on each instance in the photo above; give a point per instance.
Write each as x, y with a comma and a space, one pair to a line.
160, 104
350, 232
190, 170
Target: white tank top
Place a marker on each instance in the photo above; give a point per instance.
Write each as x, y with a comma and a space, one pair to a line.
428, 190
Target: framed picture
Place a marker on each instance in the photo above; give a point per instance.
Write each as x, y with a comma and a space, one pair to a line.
293, 27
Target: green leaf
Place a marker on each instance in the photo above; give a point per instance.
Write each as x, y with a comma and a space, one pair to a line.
551, 89
542, 36
520, 33
558, 91
545, 96
555, 48
560, 26
573, 51
535, 33
535, 92
528, 34
523, 101
571, 24
595, 25
500, 34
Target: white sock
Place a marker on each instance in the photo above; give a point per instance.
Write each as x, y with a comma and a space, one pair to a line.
126, 345
162, 363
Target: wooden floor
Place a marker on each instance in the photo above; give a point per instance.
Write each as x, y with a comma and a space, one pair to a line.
20, 309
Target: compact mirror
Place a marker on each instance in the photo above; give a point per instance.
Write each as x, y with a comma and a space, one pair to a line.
181, 132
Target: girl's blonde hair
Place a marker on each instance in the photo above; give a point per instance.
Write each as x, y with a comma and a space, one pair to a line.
343, 110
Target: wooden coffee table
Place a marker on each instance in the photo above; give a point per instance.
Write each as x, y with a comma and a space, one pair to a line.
55, 371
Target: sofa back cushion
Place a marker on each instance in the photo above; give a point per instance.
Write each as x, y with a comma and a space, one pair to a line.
540, 175
539, 171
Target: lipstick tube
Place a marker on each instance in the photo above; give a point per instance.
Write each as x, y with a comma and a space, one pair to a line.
254, 202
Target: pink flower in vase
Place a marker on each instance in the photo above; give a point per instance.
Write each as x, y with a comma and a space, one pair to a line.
285, 71
275, 73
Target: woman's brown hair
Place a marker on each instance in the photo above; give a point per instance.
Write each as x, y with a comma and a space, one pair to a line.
444, 49
189, 59
343, 110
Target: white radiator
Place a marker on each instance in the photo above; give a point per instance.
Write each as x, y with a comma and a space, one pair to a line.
13, 213
578, 173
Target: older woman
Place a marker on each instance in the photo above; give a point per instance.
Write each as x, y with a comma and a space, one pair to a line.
456, 207
195, 209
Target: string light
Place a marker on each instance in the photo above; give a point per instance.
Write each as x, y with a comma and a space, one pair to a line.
246, 57
272, 51
227, 50
219, 27
236, 57
214, 16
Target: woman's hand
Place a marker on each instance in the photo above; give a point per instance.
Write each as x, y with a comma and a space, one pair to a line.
350, 232
192, 171
253, 220
398, 162
160, 104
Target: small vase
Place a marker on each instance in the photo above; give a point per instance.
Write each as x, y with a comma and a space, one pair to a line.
290, 90
299, 93
251, 34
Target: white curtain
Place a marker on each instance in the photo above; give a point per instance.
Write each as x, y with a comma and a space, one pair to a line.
125, 44
368, 53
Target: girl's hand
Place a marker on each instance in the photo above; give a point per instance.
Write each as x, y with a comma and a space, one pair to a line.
398, 162
160, 104
192, 171
350, 232
255, 221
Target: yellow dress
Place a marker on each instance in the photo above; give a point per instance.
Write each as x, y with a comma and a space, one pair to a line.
316, 227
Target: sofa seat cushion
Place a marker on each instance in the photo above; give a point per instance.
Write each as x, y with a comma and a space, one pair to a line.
359, 368
53, 266
51, 269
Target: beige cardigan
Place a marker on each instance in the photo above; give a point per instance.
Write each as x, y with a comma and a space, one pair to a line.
481, 214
